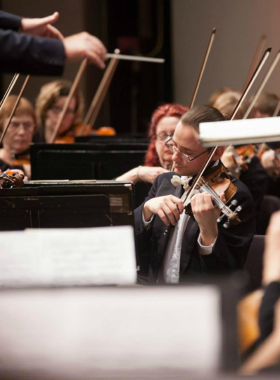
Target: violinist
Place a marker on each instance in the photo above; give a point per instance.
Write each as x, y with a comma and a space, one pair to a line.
14, 153
265, 105
197, 244
158, 158
49, 105
248, 167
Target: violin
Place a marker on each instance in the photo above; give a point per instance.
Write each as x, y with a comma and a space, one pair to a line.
69, 136
215, 181
247, 152
12, 178
241, 156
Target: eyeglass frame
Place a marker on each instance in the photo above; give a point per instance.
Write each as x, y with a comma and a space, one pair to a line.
27, 126
170, 135
183, 155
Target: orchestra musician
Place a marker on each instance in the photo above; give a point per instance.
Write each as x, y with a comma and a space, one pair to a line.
267, 347
49, 105
252, 173
14, 153
35, 46
158, 158
197, 244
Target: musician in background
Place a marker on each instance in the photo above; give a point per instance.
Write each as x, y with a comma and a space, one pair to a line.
248, 169
265, 105
14, 153
267, 354
49, 105
197, 244
158, 158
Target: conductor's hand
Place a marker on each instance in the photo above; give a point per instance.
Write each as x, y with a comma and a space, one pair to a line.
168, 208
206, 215
41, 26
84, 45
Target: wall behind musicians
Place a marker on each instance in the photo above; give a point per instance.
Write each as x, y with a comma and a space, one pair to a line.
240, 24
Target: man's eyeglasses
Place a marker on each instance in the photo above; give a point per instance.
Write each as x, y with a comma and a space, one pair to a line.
174, 149
162, 136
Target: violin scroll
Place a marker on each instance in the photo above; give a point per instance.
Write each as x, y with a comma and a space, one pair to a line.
230, 214
216, 182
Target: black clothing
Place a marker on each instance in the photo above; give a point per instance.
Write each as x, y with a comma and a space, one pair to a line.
26, 54
266, 314
255, 178
229, 252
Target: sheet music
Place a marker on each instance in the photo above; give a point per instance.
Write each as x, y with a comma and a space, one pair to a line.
53, 257
94, 332
239, 131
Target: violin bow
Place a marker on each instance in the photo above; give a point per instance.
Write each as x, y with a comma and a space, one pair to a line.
256, 58
9, 89
14, 108
263, 83
100, 94
210, 43
208, 49
245, 92
68, 100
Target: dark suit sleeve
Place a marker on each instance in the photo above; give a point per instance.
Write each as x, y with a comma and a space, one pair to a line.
232, 244
143, 238
10, 21
26, 54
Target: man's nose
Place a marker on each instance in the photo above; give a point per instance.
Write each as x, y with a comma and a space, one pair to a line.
175, 156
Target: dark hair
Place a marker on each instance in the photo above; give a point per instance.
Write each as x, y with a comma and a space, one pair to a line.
201, 114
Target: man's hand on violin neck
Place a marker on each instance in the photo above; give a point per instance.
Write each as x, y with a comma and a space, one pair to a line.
168, 208
206, 215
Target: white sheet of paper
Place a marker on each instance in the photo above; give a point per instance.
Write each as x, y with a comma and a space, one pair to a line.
53, 257
239, 131
83, 333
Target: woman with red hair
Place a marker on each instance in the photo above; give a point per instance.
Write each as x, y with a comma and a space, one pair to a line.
158, 158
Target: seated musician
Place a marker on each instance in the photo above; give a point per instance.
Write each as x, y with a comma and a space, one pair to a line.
158, 158
197, 244
266, 106
49, 105
14, 153
248, 168
267, 347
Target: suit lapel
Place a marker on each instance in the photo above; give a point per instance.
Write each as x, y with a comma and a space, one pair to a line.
188, 243
166, 188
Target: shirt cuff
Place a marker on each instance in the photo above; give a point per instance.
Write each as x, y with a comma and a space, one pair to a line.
205, 249
147, 224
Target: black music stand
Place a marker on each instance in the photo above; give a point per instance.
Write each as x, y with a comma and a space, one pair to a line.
69, 161
66, 205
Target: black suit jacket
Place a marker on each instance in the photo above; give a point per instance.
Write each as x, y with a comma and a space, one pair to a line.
26, 54
230, 250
